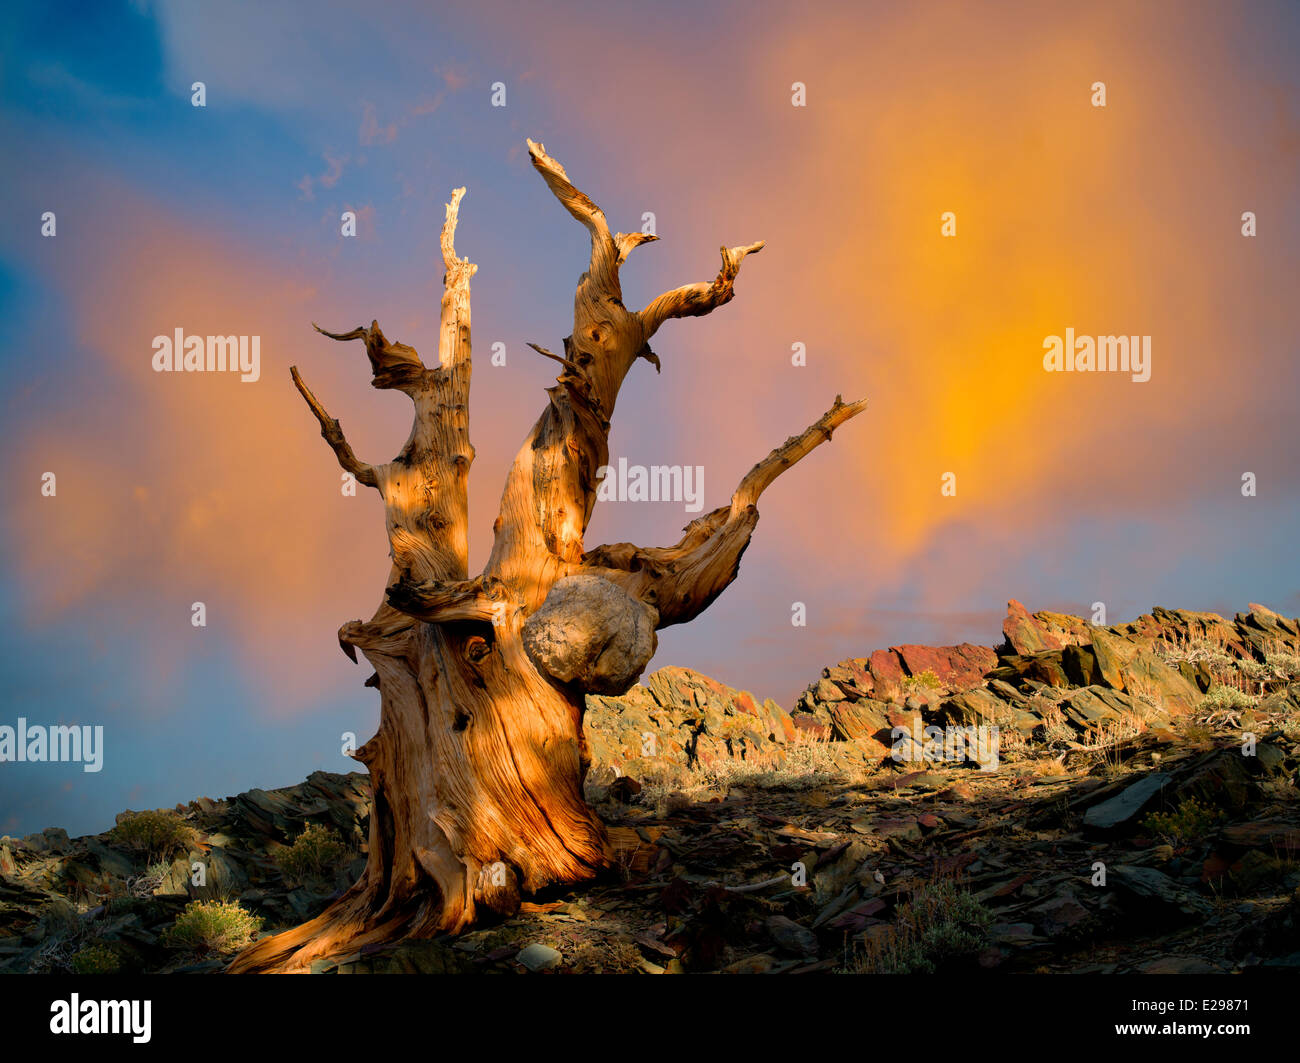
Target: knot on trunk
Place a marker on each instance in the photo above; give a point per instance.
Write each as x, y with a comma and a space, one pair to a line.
593, 634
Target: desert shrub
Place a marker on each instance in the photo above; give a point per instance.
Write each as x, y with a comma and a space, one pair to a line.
95, 959
1220, 697
925, 680
157, 833
315, 853
1256, 671
1283, 665
1189, 649
212, 927
1223, 666
1190, 820
941, 924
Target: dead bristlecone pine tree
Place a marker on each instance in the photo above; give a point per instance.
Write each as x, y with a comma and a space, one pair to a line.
478, 764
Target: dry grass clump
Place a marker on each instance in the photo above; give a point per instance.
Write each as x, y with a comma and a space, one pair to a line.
941, 925
802, 764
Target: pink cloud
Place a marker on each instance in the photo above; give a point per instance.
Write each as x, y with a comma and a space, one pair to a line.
371, 131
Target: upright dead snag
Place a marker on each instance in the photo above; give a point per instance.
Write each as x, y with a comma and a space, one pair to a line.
478, 763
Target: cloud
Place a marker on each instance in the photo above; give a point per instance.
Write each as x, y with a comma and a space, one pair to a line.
328, 179
1120, 220
371, 131
454, 79
1110, 221
182, 487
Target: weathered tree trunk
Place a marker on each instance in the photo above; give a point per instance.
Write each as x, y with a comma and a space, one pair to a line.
478, 764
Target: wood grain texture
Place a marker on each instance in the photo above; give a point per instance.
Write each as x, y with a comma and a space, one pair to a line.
478, 764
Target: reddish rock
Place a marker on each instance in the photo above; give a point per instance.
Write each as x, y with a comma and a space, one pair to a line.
909, 721
720, 689
885, 668
1214, 868
779, 720
861, 677
856, 720
957, 667
1025, 634
624, 789
812, 727
1069, 630
951, 865
856, 917
1008, 888
1278, 837
852, 682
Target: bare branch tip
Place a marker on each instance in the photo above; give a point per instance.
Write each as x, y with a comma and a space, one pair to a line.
540, 158
556, 358
357, 333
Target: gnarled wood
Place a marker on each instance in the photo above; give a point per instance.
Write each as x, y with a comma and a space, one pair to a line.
479, 759
682, 581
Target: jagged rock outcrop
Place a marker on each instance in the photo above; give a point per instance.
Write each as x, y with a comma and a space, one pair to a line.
1050, 669
684, 718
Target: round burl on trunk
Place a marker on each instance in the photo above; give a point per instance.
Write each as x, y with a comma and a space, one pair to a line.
591, 632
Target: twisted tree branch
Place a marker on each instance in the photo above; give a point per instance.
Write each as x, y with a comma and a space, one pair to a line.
394, 366
693, 300
681, 581
332, 433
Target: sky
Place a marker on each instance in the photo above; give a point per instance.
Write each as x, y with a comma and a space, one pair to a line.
1065, 489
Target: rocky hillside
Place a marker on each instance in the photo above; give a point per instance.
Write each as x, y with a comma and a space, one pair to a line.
1051, 672
1077, 798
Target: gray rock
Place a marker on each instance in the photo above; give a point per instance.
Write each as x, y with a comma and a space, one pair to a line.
57, 840
1013, 934
110, 860
538, 957
792, 937
1124, 806
1088, 708
1149, 884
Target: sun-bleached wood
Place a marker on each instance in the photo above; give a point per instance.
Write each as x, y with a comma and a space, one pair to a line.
478, 763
